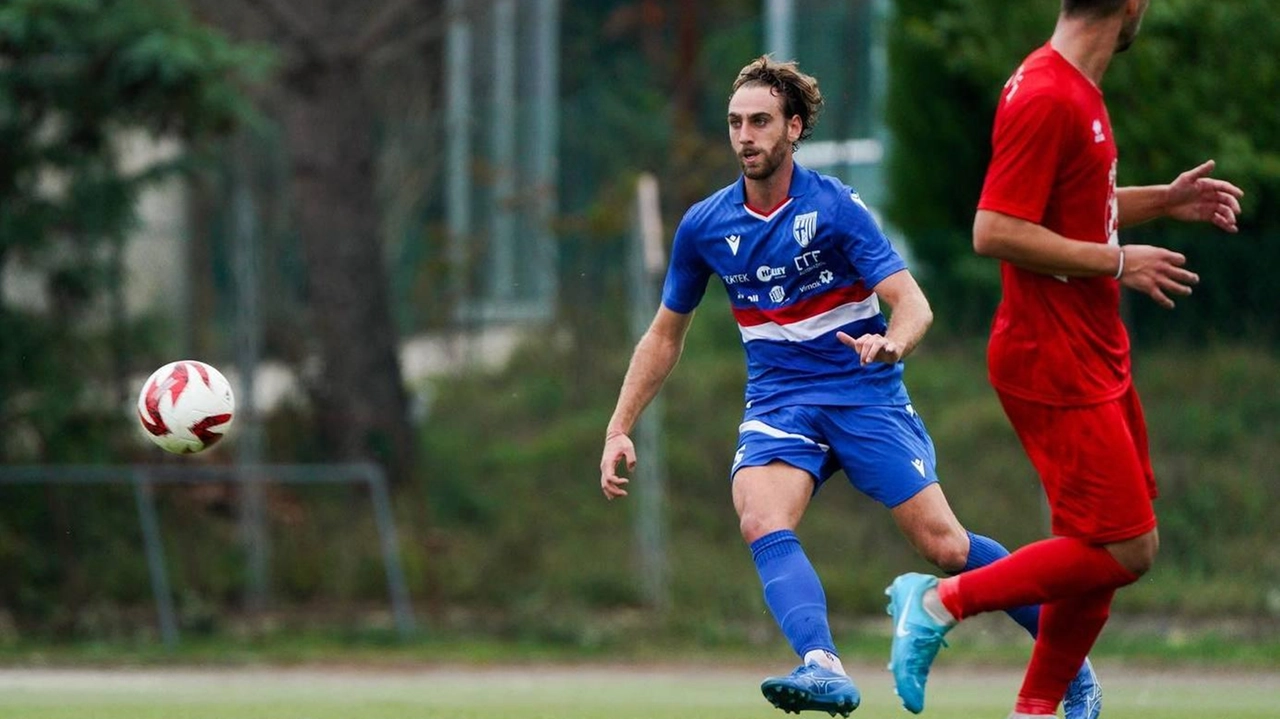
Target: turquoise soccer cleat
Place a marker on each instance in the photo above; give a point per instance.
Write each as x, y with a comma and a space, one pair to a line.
917, 637
811, 687
1084, 695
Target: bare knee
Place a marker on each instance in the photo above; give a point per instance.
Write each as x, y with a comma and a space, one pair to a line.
754, 525
1137, 554
770, 498
926, 520
947, 549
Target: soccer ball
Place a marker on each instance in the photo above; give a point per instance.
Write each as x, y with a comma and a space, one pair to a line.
186, 406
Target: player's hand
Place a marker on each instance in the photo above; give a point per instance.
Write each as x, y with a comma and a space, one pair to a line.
1196, 197
617, 447
1157, 272
872, 348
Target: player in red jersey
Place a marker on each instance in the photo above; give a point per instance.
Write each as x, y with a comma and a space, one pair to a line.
1059, 355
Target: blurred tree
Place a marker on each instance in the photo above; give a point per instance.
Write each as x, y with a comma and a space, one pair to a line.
645, 85
1192, 87
328, 119
74, 76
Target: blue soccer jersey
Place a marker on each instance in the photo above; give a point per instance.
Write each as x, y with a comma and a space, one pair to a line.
795, 275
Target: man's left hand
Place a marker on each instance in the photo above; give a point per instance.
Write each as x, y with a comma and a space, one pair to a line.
1196, 197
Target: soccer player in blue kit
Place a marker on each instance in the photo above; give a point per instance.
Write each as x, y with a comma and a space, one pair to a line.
806, 268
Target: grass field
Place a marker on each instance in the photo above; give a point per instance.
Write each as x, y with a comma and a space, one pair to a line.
561, 692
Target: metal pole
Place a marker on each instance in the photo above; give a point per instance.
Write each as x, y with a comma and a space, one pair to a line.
780, 28
145, 502
544, 141
401, 607
458, 155
247, 333
503, 117
645, 265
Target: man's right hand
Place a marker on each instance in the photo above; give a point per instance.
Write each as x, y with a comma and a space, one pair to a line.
617, 446
1155, 271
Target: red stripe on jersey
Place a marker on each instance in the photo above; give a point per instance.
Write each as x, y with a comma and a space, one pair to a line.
803, 309
761, 215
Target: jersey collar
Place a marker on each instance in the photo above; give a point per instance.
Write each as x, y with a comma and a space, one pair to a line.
802, 180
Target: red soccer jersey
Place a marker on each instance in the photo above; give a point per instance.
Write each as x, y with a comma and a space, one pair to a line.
1056, 340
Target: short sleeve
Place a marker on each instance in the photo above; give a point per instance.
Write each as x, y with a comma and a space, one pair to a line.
864, 243
1026, 145
687, 274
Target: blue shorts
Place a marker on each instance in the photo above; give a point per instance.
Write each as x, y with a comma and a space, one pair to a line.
884, 450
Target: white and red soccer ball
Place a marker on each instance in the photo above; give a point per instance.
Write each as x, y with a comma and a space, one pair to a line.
186, 406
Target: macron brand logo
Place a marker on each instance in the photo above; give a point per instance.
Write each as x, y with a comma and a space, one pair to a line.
919, 465
733, 241
737, 456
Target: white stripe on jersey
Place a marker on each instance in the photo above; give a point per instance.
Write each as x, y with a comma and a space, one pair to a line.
755, 425
772, 213
816, 326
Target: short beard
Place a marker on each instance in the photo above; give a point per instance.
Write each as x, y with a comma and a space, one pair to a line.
772, 161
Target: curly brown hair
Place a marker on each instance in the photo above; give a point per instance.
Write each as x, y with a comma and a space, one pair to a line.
799, 92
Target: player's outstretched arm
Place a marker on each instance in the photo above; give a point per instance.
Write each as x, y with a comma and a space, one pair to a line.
655, 356
1194, 196
909, 319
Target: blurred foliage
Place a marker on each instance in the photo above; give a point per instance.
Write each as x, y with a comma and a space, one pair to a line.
1192, 87
644, 89
75, 76
520, 534
513, 539
515, 542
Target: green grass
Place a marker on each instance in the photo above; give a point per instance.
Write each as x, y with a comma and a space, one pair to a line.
564, 692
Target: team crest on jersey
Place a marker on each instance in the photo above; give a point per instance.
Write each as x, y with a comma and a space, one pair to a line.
805, 227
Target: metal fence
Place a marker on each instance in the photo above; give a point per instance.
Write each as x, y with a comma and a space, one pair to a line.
145, 477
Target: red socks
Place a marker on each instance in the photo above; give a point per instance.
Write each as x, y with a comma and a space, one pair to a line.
1073, 581
1068, 629
1039, 573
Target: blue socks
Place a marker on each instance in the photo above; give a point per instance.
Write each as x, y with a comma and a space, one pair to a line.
793, 591
984, 551
795, 596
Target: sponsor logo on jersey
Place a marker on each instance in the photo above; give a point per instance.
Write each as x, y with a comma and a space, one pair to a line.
1098, 135
1113, 208
766, 273
730, 280
805, 227
777, 294
808, 261
1013, 84
734, 241
824, 278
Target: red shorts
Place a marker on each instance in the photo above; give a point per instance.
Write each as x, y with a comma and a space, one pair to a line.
1094, 464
